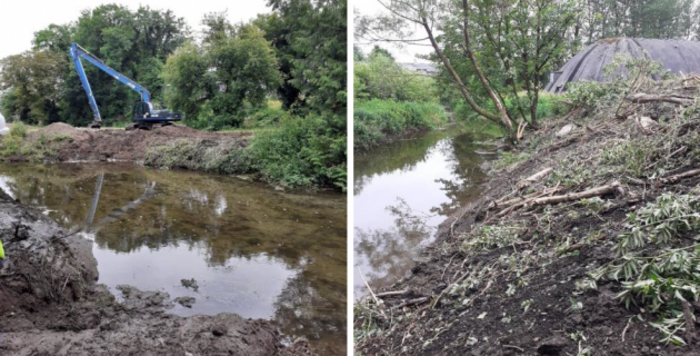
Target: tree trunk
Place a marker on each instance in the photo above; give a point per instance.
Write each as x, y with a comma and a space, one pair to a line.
505, 119
462, 88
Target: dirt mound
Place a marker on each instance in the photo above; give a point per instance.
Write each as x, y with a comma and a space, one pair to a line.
81, 144
531, 267
51, 304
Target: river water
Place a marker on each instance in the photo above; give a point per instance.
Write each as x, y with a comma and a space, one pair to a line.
403, 191
253, 251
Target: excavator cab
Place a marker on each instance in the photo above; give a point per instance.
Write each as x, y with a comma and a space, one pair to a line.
145, 117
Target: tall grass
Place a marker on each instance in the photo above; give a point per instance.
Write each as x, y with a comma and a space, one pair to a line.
377, 120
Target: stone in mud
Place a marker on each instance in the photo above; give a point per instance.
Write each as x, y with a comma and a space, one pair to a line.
186, 301
190, 283
566, 130
552, 345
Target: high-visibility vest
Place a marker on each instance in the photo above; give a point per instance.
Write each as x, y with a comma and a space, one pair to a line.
2, 251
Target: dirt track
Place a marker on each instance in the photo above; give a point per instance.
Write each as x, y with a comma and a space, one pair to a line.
51, 304
80, 144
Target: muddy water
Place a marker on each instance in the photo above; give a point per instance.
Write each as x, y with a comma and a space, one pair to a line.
252, 250
403, 191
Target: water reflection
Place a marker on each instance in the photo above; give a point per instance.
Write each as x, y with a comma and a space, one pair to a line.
402, 192
253, 251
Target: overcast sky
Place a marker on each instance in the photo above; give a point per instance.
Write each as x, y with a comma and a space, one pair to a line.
21, 18
402, 54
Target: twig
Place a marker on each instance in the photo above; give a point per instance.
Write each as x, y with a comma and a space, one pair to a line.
374, 296
390, 293
624, 331
689, 323
419, 300
514, 347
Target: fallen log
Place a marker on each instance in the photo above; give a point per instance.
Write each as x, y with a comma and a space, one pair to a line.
590, 193
540, 200
677, 177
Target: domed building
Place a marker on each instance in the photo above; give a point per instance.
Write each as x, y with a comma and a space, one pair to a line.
678, 57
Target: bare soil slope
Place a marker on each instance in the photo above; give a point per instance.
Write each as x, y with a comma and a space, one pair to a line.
511, 274
80, 144
51, 304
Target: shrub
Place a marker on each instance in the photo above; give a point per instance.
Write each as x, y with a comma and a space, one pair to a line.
301, 152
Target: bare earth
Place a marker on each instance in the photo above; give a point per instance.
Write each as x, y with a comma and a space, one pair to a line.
81, 144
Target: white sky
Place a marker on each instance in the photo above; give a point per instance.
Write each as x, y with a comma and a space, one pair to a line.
405, 53
19, 19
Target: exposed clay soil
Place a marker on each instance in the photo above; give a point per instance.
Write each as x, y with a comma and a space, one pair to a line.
82, 144
51, 304
556, 246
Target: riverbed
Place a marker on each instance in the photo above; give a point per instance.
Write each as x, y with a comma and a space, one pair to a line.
252, 250
403, 191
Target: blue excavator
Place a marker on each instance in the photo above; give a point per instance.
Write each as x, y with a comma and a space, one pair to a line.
143, 115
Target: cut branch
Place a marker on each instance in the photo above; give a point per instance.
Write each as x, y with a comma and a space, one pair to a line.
642, 98
534, 178
590, 193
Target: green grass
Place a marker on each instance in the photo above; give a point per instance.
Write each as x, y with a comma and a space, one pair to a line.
377, 120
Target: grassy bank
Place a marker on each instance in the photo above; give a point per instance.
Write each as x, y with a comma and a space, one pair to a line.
377, 121
599, 251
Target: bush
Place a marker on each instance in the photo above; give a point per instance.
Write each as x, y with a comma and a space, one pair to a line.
301, 152
380, 77
19, 130
269, 116
375, 120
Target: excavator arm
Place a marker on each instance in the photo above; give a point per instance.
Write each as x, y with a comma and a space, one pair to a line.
146, 114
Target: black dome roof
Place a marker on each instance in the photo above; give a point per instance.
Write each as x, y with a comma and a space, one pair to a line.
675, 55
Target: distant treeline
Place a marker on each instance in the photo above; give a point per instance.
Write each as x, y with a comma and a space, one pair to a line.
295, 54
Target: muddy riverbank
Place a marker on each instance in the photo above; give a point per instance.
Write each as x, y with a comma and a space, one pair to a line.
569, 261
252, 250
52, 305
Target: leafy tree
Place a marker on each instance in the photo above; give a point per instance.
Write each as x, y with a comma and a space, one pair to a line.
380, 77
55, 38
488, 49
33, 80
317, 45
217, 83
135, 43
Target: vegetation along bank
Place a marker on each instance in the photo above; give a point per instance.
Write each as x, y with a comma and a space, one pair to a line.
276, 82
585, 241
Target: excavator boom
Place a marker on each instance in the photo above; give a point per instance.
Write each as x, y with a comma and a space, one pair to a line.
144, 115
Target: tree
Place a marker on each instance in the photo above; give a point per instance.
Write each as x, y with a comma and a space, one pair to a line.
33, 80
508, 45
318, 54
135, 43
217, 83
380, 77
